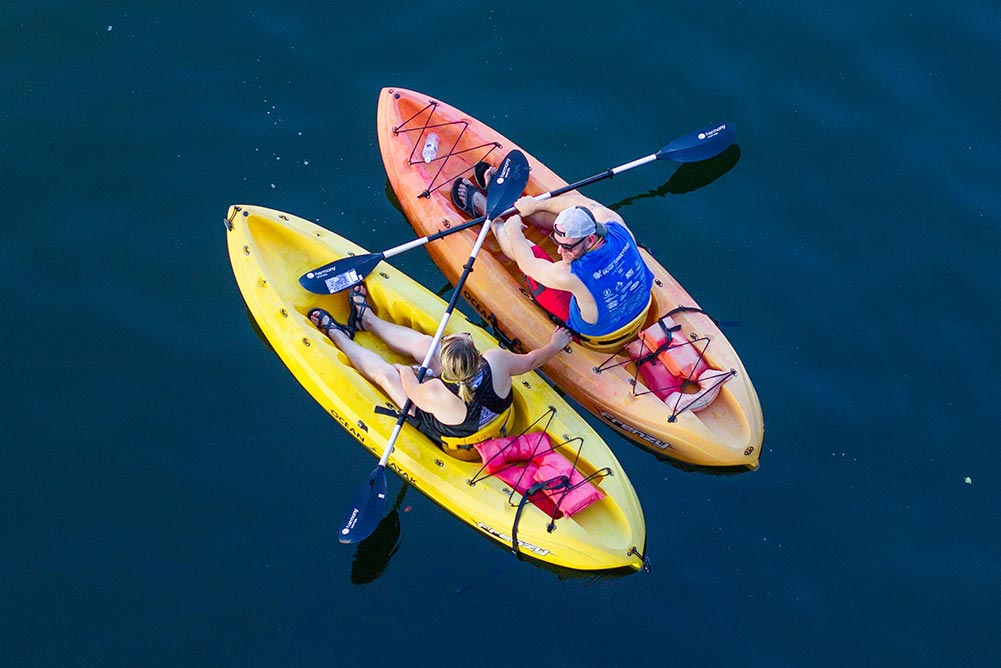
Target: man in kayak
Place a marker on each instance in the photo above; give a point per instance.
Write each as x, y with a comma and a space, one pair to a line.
463, 393
600, 286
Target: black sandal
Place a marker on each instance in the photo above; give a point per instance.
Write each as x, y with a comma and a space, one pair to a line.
480, 174
464, 202
331, 323
357, 307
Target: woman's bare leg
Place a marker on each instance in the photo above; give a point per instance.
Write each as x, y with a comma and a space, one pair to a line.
368, 363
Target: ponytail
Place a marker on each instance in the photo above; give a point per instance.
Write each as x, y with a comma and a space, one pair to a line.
460, 360
465, 391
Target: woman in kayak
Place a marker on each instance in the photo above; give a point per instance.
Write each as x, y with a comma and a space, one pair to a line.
600, 286
465, 394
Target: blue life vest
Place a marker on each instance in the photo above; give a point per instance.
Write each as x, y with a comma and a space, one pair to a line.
618, 278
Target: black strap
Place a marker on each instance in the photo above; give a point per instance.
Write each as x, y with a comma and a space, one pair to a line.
669, 331
386, 410
651, 357
553, 484
691, 309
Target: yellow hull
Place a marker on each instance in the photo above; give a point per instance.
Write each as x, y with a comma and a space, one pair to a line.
269, 250
727, 433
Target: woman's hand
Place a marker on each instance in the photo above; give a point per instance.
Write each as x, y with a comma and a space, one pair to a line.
561, 338
414, 370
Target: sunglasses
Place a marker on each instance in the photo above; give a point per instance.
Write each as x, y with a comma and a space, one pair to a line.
567, 247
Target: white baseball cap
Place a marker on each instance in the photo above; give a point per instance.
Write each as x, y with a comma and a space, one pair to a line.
576, 222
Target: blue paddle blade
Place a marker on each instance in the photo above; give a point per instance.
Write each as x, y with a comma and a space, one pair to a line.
366, 508
340, 274
699, 145
508, 183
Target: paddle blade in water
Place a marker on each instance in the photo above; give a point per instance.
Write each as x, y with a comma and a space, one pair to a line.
508, 183
699, 145
366, 508
340, 274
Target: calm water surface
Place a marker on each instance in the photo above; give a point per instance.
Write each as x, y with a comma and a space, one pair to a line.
171, 494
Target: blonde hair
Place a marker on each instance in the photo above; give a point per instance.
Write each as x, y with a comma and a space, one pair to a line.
460, 360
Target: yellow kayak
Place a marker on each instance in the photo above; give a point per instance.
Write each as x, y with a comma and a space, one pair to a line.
269, 250
724, 428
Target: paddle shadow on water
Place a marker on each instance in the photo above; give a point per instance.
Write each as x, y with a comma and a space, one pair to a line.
690, 176
373, 554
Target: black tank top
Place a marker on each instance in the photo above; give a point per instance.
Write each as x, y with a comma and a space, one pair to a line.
484, 407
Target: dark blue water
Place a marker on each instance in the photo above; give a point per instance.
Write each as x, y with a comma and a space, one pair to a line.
171, 495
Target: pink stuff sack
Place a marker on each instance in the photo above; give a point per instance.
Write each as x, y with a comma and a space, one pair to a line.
521, 461
665, 374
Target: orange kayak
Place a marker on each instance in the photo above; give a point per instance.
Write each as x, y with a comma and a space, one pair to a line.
726, 432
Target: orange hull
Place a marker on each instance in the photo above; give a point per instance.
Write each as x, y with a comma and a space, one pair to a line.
727, 433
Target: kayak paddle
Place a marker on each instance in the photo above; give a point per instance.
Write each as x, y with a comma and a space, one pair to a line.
368, 502
342, 274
